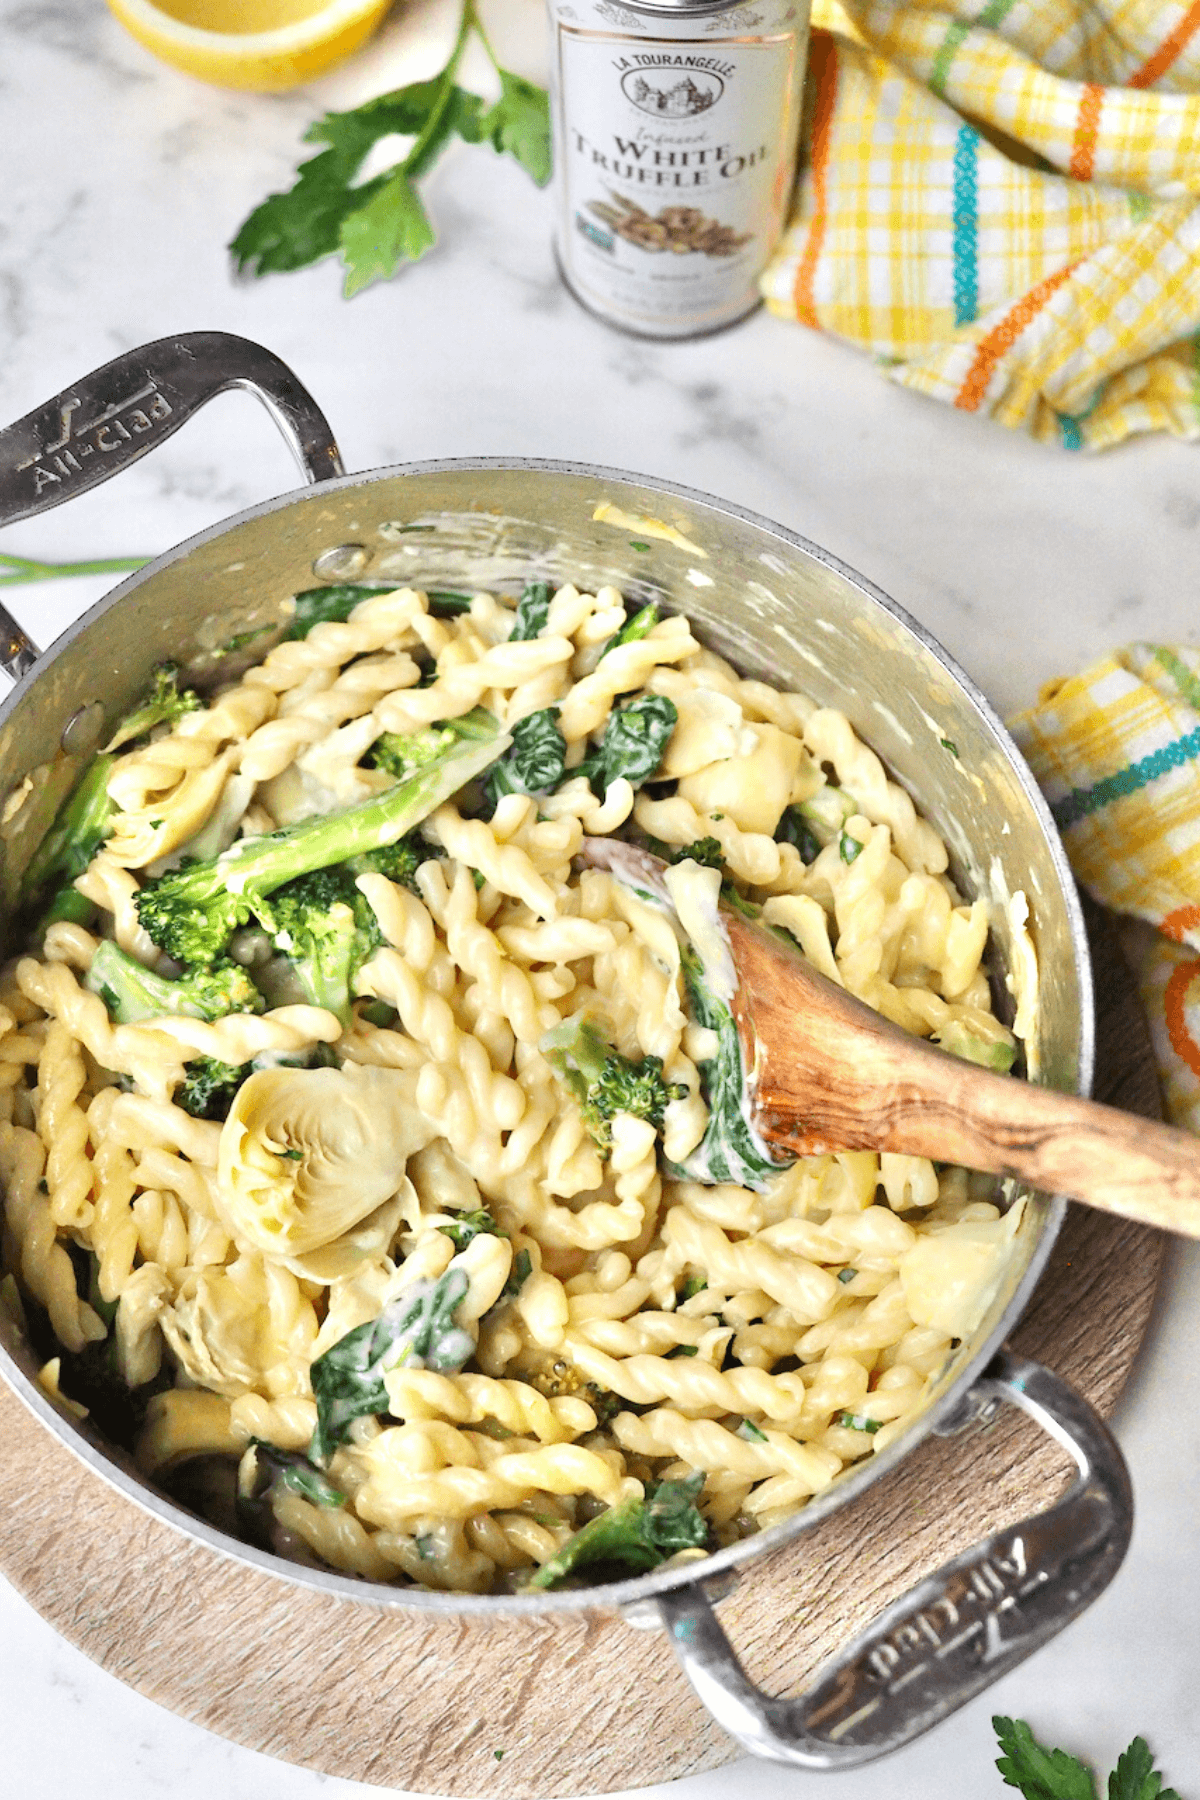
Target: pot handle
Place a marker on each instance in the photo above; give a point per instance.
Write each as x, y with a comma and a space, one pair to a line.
956, 1632
116, 414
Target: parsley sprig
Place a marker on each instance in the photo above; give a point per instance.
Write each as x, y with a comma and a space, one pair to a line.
1041, 1774
379, 224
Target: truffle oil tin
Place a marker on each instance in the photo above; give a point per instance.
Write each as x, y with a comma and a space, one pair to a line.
675, 148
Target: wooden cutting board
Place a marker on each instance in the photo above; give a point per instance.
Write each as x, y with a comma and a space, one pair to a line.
581, 1705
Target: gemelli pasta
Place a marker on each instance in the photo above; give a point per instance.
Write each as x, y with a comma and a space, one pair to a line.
375, 1153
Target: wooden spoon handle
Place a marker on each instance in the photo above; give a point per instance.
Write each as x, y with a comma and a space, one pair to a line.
833, 1074
937, 1106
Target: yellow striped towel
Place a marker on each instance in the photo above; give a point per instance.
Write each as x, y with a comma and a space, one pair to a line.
1001, 200
1117, 752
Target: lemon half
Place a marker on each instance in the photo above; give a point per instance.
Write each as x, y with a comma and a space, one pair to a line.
265, 45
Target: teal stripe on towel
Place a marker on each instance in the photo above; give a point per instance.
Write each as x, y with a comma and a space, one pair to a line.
966, 226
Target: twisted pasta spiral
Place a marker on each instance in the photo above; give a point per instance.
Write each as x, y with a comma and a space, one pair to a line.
439, 1344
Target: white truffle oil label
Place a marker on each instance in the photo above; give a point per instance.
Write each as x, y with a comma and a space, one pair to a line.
675, 158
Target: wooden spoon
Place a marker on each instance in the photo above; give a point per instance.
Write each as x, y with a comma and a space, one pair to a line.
829, 1073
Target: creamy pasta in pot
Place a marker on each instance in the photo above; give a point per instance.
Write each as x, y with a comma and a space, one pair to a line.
377, 1156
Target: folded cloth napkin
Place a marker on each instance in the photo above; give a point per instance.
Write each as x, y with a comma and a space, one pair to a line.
1117, 753
1001, 200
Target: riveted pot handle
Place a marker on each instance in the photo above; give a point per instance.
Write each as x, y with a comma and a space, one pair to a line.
953, 1635
116, 414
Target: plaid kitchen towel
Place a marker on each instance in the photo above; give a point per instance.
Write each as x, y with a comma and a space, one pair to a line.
1001, 200
1117, 752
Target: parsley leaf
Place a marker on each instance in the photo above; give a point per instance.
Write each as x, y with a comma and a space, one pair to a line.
393, 227
1039, 1774
519, 123
1042, 1774
381, 223
1136, 1778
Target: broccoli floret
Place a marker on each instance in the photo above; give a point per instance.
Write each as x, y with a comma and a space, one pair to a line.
470, 1225
192, 912
606, 1083
208, 1087
401, 755
399, 861
705, 850
561, 1377
634, 1536
132, 992
326, 929
80, 827
164, 703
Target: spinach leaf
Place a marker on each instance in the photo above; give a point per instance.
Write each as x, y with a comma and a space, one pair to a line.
636, 737
445, 605
795, 829
706, 851
532, 608
536, 762
317, 606
522, 1269
731, 1149
826, 813
416, 1330
635, 1536
634, 742
292, 1471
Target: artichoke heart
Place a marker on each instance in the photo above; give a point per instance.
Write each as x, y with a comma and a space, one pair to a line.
308, 1154
215, 1332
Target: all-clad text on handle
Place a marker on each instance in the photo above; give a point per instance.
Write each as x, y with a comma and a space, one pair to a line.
116, 414
954, 1634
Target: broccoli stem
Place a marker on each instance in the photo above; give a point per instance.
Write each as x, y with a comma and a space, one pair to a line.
76, 834
164, 703
132, 992
192, 912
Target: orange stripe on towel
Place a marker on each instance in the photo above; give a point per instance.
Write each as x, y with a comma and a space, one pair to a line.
1003, 336
822, 60
1087, 130
1177, 924
1174, 1000
1171, 48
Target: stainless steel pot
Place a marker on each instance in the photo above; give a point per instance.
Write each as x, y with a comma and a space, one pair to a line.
783, 610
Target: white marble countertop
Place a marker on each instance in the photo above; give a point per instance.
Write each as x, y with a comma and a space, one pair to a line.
124, 180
